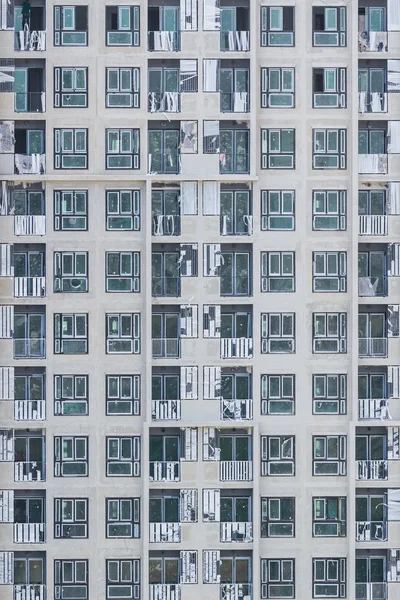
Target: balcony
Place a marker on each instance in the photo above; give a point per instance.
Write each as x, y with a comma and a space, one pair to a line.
166, 287
373, 347
34, 287
376, 225
166, 347
165, 532
164, 102
29, 225
164, 591
166, 410
372, 286
371, 470
234, 34
235, 41
236, 532
25, 102
367, 531
30, 40
372, 41
29, 410
236, 410
164, 41
372, 164
236, 470
168, 470
236, 348
372, 102
235, 591
373, 409
235, 102
29, 471
30, 591
371, 591
29, 533
34, 347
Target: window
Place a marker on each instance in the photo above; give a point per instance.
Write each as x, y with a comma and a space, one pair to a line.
277, 26
277, 271
277, 148
123, 87
329, 26
235, 213
123, 210
329, 578
30, 387
329, 210
123, 517
70, 272
165, 274
277, 578
70, 333
71, 517
329, 517
329, 455
235, 274
372, 141
164, 151
372, 202
277, 210
329, 394
329, 149
277, 517
329, 88
70, 25
71, 457
123, 333
123, 579
234, 152
71, 395
330, 333
70, 210
122, 148
70, 149
277, 88
329, 271
122, 25
123, 395
277, 455
123, 456
277, 394
123, 271
71, 579
277, 333
70, 87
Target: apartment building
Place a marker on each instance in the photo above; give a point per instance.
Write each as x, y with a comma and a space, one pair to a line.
199, 299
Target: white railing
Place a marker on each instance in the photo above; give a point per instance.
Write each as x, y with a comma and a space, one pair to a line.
164, 41
371, 591
28, 471
34, 591
372, 286
29, 533
164, 102
372, 163
29, 225
236, 347
235, 41
371, 530
164, 591
372, 41
376, 408
166, 224
33, 164
236, 470
236, 410
372, 225
371, 469
235, 591
166, 347
166, 410
164, 532
25, 287
236, 531
29, 347
29, 410
30, 41
372, 347
165, 470
372, 102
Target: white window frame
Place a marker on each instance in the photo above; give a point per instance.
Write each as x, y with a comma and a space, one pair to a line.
335, 90
267, 399
132, 92
268, 155
132, 276
330, 334
133, 398
270, 275
329, 143
63, 214
127, 581
285, 457
75, 456
340, 399
133, 27
130, 459
337, 583
62, 93
270, 522
339, 30
336, 461
268, 340
63, 339
270, 587
119, 151
339, 523
327, 274
120, 504
267, 213
120, 196
284, 89
64, 151
326, 198
133, 335
63, 586
60, 522
64, 278
60, 28
268, 31
61, 398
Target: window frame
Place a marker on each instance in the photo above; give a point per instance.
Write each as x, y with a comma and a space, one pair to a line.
266, 397
59, 31
267, 30
134, 334
325, 460
132, 461
133, 92
322, 277
59, 339
133, 521
133, 29
60, 91
134, 143
60, 400
338, 91
60, 152
76, 214
340, 213
340, 151
122, 582
270, 521
133, 277
340, 398
134, 400
266, 92
340, 336
340, 30
267, 338
266, 154
59, 574
59, 447
60, 277
268, 459
341, 509
265, 271
60, 522
267, 214
266, 585
133, 214
339, 581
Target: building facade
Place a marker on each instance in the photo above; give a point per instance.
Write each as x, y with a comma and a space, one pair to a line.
199, 356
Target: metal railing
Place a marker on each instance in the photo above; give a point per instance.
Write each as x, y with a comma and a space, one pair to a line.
373, 408
372, 163
29, 225
236, 410
29, 533
235, 102
234, 164
164, 591
371, 469
168, 102
166, 410
372, 286
166, 347
30, 40
25, 287
167, 470
29, 102
235, 41
235, 286
29, 164
164, 41
229, 225
372, 225
367, 531
235, 591
371, 591
373, 41
29, 410
372, 102
166, 225
166, 286
30, 348
236, 531
30, 591
164, 532
236, 347
236, 470
167, 163
29, 471
372, 347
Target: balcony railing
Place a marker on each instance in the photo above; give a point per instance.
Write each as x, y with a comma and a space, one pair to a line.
29, 410
239, 227
235, 41
168, 163
166, 410
30, 102
236, 347
166, 286
372, 225
166, 224
371, 591
25, 287
372, 102
236, 531
168, 470
34, 591
373, 41
30, 348
235, 591
372, 163
29, 533
30, 164
367, 531
372, 286
372, 347
30, 41
29, 225
371, 470
236, 470
234, 164
373, 409
166, 347
168, 102
236, 410
241, 285
29, 471
164, 41
164, 591
235, 102
165, 532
